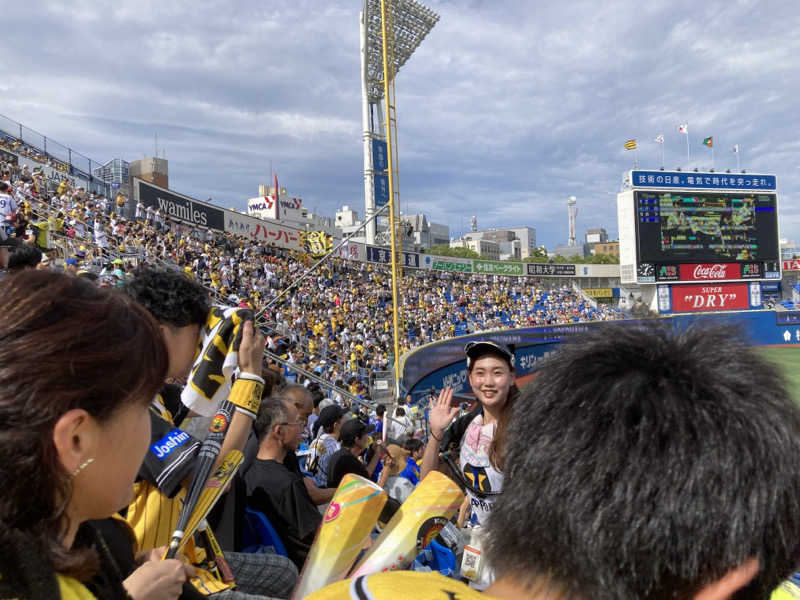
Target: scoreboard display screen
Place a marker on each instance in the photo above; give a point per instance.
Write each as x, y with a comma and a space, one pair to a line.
713, 227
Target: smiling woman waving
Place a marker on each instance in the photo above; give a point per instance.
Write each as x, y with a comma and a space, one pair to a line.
478, 437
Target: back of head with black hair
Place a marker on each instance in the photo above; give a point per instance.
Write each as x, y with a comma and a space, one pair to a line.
644, 462
380, 410
413, 444
24, 256
169, 295
317, 396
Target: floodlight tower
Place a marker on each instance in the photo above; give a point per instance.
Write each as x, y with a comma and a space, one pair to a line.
390, 32
573, 212
402, 25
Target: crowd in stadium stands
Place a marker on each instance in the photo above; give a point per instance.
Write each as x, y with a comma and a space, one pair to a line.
591, 507
337, 322
624, 473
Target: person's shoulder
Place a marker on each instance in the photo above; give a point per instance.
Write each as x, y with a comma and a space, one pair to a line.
272, 470
398, 585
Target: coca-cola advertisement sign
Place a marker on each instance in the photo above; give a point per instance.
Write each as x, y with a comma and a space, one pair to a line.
701, 297
709, 271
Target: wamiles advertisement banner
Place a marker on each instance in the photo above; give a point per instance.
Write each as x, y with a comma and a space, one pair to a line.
177, 206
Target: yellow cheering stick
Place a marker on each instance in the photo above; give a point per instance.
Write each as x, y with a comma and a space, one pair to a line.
347, 523
418, 520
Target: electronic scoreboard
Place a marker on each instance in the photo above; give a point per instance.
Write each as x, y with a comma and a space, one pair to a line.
680, 227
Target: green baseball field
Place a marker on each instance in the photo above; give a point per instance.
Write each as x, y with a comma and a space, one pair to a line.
788, 360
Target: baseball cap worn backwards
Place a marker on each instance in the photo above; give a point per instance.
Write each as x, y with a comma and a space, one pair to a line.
476, 349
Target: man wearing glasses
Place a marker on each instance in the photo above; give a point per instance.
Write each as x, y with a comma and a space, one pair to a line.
274, 490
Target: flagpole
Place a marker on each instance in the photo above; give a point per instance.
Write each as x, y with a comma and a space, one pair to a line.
712, 153
688, 156
636, 157
662, 153
738, 150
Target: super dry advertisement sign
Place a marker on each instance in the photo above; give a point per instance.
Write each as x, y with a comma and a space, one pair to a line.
710, 296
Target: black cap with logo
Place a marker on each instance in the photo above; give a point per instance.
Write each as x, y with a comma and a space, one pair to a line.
475, 350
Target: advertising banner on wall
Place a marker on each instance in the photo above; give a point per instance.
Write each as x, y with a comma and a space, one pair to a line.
352, 251
496, 267
379, 254
550, 269
447, 263
711, 296
379, 157
380, 189
270, 233
709, 271
601, 292
177, 206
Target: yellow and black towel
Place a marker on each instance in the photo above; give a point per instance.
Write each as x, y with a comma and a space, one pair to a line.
212, 372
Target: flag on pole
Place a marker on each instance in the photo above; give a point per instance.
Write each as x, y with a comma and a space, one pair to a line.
736, 148
709, 141
276, 195
630, 145
683, 129
659, 139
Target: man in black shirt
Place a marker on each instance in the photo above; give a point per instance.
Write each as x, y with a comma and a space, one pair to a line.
354, 439
274, 490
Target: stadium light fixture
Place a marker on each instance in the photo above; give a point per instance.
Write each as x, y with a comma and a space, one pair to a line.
411, 22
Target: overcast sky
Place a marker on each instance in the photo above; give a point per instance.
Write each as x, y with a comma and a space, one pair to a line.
505, 110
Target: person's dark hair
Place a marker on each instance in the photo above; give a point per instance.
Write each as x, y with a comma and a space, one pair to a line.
413, 444
317, 396
272, 411
380, 410
169, 295
659, 460
89, 276
271, 378
400, 411
24, 256
64, 344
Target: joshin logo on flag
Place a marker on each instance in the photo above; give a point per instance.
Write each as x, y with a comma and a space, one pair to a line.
683, 129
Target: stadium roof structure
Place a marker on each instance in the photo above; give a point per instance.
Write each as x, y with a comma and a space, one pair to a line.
411, 22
